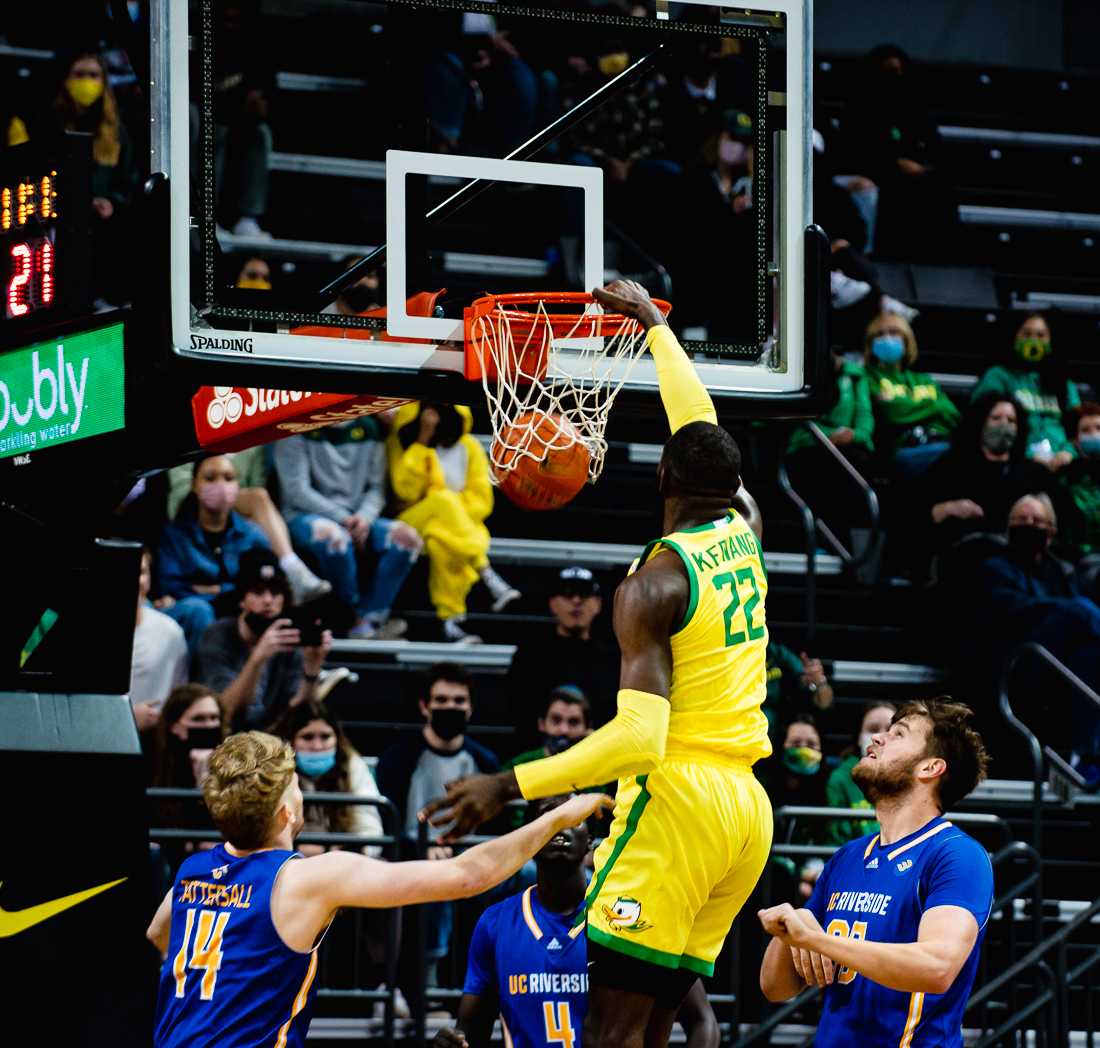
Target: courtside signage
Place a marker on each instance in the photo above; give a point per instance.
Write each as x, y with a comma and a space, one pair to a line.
60, 391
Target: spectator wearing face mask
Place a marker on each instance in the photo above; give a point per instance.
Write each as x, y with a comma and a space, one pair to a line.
841, 791
914, 418
416, 770
1027, 594
565, 719
440, 477
973, 486
254, 275
200, 551
1079, 485
795, 774
1033, 375
256, 659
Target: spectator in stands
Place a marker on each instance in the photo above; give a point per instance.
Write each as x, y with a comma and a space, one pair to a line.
914, 418
973, 486
565, 719
191, 725
200, 550
86, 103
244, 84
256, 659
569, 653
328, 763
840, 790
415, 770
718, 197
333, 484
159, 662
1034, 376
440, 478
253, 502
796, 683
890, 145
254, 274
796, 774
1029, 595
1079, 485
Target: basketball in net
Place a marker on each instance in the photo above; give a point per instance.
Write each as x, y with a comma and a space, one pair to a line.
543, 462
550, 379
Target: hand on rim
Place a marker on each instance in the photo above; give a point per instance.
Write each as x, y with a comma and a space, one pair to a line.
631, 299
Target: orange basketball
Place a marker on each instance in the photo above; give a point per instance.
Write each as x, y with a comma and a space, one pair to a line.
557, 470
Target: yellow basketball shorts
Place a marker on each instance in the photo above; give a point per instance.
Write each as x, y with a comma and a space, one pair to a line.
687, 845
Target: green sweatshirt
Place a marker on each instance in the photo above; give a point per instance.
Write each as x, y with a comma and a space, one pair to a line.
903, 399
852, 410
1046, 435
1079, 512
842, 792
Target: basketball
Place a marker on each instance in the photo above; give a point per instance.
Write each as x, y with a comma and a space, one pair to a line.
554, 468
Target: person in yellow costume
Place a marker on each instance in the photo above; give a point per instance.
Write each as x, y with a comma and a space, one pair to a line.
440, 477
692, 826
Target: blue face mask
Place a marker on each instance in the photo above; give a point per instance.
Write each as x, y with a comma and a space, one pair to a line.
314, 764
1090, 446
889, 349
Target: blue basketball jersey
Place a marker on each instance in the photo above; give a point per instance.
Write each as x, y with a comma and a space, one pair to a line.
869, 890
229, 979
537, 961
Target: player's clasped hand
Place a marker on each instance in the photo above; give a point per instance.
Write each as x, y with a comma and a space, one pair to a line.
798, 930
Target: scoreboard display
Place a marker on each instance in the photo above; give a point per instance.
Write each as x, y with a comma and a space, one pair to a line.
45, 232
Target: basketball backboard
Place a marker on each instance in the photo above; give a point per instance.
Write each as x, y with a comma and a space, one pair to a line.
464, 147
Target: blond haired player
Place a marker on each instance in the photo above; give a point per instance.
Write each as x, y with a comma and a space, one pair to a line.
241, 924
692, 826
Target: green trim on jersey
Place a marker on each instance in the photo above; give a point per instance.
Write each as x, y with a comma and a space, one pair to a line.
648, 953
632, 818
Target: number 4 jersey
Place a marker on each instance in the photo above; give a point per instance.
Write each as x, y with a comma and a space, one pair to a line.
879, 892
228, 978
537, 962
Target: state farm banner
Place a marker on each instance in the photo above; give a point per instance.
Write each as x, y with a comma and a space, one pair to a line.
232, 418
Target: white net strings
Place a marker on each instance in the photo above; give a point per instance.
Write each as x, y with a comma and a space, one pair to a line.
582, 395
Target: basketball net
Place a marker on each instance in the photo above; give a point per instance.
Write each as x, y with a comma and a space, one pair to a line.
558, 373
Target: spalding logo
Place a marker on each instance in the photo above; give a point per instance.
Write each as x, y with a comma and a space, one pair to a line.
236, 345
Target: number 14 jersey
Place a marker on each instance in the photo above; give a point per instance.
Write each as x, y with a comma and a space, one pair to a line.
228, 978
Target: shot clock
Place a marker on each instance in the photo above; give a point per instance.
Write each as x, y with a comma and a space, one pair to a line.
45, 230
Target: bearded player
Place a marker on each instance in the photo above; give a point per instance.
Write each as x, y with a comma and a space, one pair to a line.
240, 927
692, 826
895, 924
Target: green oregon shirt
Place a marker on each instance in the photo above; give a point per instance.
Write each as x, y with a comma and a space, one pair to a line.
852, 410
902, 399
1079, 519
1046, 434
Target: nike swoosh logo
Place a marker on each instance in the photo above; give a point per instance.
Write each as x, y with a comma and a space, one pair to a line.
12, 922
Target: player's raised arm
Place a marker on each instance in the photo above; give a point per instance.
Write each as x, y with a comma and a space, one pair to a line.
684, 396
346, 879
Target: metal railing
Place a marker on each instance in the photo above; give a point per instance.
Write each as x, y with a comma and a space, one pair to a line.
813, 526
1042, 756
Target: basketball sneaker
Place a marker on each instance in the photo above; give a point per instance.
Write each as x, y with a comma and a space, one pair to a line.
453, 633
503, 593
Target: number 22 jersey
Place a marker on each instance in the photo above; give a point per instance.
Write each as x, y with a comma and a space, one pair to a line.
228, 978
879, 892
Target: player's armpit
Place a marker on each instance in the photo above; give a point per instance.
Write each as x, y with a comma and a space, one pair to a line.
648, 606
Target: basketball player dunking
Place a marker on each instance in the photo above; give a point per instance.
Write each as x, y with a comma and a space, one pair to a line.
240, 927
692, 826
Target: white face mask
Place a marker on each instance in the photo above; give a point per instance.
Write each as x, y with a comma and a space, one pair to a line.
864, 742
732, 152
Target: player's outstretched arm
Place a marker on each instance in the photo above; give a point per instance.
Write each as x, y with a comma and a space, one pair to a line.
683, 394
647, 604
930, 965
345, 879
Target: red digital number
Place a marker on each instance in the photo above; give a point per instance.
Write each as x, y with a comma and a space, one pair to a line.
32, 284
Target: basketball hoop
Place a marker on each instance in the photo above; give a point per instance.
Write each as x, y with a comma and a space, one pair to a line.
549, 378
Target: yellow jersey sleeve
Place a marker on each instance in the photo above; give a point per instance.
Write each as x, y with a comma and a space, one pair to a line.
683, 394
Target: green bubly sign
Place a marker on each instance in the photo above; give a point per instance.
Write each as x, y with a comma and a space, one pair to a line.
57, 392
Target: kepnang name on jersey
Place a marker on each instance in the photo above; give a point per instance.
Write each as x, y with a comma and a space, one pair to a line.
548, 982
723, 551
226, 896
859, 902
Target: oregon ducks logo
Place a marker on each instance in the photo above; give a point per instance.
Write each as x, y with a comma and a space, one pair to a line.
625, 915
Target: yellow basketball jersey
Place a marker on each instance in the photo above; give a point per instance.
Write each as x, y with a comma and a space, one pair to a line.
718, 651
